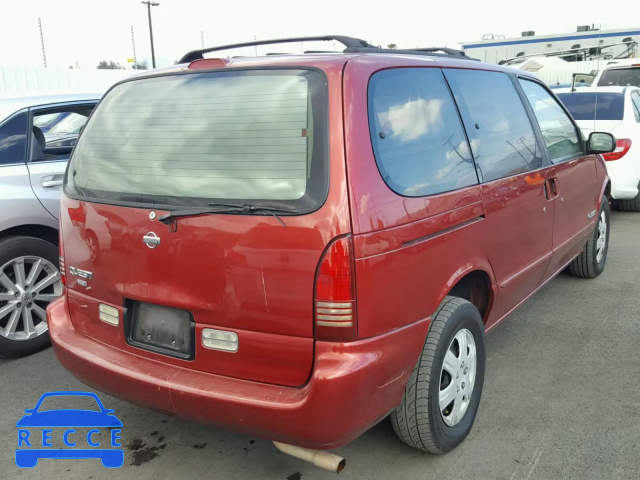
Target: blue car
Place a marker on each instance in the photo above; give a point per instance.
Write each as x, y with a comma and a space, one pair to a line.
27, 455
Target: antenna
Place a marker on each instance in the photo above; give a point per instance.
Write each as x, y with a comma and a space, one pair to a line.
44, 55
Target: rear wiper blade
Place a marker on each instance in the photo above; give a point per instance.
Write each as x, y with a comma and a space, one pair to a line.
189, 212
255, 207
171, 217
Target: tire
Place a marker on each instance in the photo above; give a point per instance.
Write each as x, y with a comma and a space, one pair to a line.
632, 205
587, 264
33, 249
418, 420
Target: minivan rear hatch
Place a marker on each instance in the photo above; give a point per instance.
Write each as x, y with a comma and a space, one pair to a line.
196, 204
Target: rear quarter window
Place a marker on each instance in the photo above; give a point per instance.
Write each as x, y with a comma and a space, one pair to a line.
418, 140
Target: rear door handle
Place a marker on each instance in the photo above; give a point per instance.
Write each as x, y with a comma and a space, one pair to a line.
52, 181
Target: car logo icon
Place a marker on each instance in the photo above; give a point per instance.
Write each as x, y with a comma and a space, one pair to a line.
68, 425
151, 240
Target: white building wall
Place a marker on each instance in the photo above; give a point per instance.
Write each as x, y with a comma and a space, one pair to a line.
21, 81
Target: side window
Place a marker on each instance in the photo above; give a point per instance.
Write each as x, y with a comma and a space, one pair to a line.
56, 132
502, 138
13, 139
558, 130
417, 138
635, 99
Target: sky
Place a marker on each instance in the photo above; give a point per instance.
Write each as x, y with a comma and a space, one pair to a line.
80, 33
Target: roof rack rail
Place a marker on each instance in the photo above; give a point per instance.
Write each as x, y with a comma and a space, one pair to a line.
431, 52
353, 45
348, 42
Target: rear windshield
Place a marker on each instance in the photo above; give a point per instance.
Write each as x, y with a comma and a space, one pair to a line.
583, 106
623, 77
190, 139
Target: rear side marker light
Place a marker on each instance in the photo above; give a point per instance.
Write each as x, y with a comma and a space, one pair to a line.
622, 147
109, 314
63, 270
220, 340
334, 305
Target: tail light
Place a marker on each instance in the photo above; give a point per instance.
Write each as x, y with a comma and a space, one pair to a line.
622, 147
335, 313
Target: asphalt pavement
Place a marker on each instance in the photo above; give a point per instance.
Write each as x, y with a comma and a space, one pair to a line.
561, 400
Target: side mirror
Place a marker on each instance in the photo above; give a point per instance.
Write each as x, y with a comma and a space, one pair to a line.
600, 142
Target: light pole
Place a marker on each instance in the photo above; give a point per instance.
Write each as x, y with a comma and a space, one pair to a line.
44, 55
153, 53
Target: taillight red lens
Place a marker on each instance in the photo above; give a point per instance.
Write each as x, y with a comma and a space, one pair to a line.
622, 147
335, 305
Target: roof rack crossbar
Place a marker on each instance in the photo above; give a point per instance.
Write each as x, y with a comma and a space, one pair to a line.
348, 42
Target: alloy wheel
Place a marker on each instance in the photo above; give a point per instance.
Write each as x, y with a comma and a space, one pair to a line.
27, 285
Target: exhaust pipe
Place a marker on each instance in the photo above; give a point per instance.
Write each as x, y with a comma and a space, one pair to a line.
320, 458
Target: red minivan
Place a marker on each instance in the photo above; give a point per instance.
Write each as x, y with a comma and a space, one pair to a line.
302, 245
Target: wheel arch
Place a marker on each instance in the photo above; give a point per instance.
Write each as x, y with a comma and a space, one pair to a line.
42, 232
606, 191
475, 283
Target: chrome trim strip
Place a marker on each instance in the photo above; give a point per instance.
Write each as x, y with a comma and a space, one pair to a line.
444, 231
334, 317
334, 304
334, 324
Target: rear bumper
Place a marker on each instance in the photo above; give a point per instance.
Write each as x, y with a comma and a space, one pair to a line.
624, 177
352, 386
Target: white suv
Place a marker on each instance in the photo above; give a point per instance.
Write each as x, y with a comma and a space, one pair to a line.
37, 135
615, 110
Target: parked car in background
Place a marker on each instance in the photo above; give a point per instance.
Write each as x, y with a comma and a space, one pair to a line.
338, 234
37, 135
615, 110
619, 75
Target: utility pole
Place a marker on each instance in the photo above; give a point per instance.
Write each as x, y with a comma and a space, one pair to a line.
202, 38
150, 4
255, 47
133, 42
44, 55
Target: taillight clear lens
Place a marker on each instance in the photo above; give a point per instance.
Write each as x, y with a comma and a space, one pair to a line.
622, 147
335, 307
62, 266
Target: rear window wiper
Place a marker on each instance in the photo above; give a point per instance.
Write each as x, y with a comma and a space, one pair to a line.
171, 217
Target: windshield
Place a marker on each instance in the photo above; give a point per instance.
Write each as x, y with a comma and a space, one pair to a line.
189, 139
583, 106
623, 77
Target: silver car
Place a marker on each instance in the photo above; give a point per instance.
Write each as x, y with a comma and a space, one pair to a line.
37, 135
